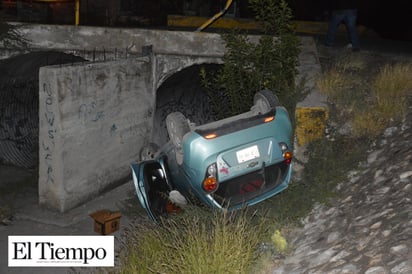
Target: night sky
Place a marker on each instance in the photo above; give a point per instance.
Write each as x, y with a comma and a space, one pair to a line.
390, 19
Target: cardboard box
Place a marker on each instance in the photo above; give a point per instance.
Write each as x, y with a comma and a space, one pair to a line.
106, 222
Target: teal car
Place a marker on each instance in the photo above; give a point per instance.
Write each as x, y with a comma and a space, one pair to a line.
227, 164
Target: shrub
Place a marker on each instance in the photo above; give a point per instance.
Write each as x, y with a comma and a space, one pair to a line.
251, 66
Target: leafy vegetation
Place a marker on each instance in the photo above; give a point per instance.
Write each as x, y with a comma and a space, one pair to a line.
250, 66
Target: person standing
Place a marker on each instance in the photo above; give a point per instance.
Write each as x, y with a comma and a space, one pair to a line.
343, 11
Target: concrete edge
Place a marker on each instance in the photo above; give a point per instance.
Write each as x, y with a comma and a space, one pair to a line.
312, 114
112, 201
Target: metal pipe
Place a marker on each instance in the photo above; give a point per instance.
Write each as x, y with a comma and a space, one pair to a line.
216, 16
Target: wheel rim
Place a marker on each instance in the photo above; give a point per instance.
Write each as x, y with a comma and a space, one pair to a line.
173, 134
263, 105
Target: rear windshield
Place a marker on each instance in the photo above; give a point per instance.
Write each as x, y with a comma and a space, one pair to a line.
234, 123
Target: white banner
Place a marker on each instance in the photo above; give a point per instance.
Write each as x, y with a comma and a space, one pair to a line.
61, 251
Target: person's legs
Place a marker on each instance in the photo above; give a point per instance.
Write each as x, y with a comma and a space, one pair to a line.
334, 22
350, 21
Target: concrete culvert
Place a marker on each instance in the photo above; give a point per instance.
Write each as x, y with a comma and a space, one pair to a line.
183, 92
19, 105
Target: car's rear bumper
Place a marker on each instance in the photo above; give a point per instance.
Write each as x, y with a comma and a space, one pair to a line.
252, 188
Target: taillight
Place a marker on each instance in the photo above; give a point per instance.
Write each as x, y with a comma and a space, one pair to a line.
288, 157
287, 154
211, 136
269, 119
210, 182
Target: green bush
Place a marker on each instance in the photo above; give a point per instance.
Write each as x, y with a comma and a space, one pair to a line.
250, 66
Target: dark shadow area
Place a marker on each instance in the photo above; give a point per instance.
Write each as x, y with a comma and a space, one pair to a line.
19, 105
183, 92
390, 21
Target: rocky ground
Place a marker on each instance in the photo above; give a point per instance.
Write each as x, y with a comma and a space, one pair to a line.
368, 228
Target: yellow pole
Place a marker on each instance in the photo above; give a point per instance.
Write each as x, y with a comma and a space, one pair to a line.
77, 12
215, 17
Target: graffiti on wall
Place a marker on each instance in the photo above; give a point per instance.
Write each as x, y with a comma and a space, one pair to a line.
90, 112
49, 142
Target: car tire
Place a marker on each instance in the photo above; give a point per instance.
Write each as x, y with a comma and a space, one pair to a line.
177, 126
149, 151
265, 100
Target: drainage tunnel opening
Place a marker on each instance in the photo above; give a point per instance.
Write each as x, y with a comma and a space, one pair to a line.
183, 92
19, 105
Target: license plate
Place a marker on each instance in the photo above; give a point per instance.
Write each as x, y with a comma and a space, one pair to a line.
247, 154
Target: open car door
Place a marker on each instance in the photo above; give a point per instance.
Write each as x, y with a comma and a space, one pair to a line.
151, 187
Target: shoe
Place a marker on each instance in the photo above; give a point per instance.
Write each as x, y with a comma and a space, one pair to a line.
355, 49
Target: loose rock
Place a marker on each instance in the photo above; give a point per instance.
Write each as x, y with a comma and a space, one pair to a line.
368, 229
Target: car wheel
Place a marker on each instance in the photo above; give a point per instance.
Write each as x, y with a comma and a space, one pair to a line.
148, 152
177, 126
264, 101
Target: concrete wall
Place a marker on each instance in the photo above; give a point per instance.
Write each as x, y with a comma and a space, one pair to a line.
93, 120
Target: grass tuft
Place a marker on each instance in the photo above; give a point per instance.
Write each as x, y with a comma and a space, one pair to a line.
369, 122
333, 83
392, 86
371, 96
390, 89
199, 241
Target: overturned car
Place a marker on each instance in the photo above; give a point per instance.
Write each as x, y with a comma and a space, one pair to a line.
228, 164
